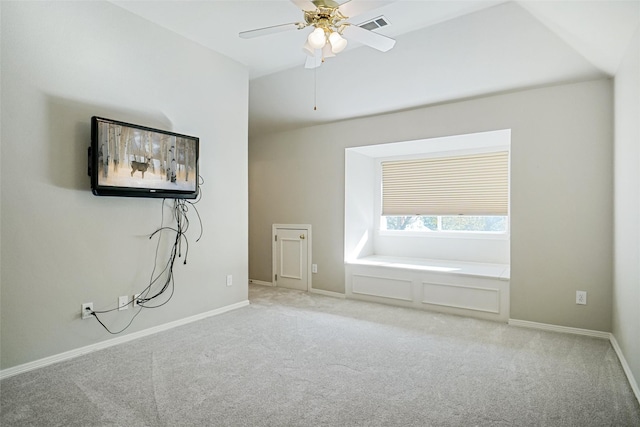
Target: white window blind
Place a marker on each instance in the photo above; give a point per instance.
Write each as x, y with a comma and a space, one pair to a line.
459, 185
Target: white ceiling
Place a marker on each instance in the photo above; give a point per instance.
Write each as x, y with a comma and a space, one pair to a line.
445, 50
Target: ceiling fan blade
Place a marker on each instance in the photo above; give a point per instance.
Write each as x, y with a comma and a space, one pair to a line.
305, 5
353, 8
369, 38
314, 61
269, 30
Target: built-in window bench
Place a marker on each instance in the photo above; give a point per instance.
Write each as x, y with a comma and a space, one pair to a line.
456, 287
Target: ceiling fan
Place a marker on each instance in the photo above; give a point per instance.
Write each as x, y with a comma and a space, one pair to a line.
329, 20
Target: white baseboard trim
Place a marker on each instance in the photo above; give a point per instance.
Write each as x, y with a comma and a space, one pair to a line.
327, 293
625, 367
260, 282
556, 328
30, 366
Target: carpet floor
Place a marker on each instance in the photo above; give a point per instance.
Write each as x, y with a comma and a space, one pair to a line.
296, 359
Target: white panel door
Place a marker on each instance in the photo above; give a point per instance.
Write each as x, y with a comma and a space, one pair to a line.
291, 253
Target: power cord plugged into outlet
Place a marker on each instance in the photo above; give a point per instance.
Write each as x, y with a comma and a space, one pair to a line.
87, 310
163, 278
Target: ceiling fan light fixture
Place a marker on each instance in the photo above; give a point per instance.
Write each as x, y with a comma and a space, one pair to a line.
338, 43
317, 38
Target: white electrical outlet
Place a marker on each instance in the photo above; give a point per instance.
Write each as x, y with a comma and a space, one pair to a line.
229, 280
314, 268
86, 310
581, 297
123, 303
135, 301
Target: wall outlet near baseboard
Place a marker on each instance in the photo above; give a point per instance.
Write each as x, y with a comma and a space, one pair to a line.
581, 297
229, 280
86, 310
314, 268
123, 303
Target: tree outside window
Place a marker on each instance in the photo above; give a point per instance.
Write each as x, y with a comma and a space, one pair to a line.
494, 224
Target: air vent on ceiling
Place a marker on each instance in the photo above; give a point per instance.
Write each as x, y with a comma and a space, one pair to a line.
375, 23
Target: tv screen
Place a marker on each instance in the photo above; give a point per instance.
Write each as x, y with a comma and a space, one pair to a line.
137, 161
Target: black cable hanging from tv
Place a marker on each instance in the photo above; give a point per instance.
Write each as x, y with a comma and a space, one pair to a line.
147, 296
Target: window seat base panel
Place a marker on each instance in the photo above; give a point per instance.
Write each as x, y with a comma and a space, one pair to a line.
466, 289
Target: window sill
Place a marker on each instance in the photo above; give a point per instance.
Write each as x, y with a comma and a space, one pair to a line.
446, 234
476, 269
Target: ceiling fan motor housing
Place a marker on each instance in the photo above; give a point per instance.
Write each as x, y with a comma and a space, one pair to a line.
327, 18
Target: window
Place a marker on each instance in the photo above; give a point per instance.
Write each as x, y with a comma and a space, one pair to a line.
444, 235
494, 224
463, 193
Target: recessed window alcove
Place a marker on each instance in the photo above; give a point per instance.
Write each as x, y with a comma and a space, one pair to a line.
464, 273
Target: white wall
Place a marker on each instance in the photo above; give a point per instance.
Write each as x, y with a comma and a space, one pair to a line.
561, 191
483, 249
626, 290
358, 204
63, 62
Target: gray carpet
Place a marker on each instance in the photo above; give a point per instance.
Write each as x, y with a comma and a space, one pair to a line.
298, 359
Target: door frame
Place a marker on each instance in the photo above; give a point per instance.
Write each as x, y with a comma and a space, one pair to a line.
274, 249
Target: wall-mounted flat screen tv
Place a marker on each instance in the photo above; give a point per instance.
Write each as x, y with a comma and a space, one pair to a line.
137, 161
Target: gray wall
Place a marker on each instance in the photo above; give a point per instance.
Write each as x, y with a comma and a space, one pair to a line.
63, 62
626, 303
561, 192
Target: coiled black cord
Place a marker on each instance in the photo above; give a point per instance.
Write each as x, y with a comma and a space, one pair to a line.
180, 210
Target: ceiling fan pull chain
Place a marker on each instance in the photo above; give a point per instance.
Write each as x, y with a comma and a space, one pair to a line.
315, 89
